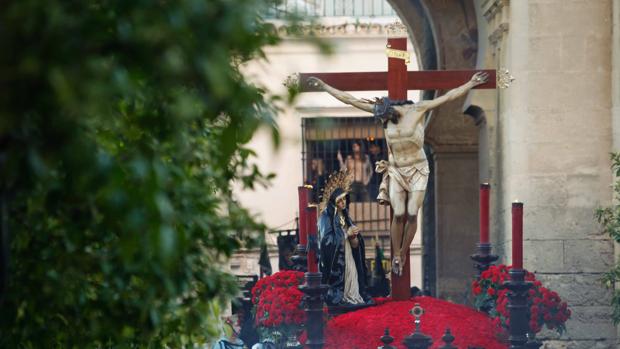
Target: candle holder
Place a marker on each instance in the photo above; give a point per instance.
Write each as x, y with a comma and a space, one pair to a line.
300, 258
387, 340
517, 235
532, 342
517, 306
484, 259
448, 338
417, 340
312, 248
314, 291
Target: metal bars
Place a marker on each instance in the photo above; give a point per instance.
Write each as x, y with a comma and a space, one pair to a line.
331, 8
355, 143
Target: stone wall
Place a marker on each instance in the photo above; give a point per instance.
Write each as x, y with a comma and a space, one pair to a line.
615, 97
457, 220
551, 140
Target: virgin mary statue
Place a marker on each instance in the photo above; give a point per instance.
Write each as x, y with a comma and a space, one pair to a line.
342, 260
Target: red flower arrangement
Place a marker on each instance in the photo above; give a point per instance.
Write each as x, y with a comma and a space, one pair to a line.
546, 308
285, 279
277, 304
362, 329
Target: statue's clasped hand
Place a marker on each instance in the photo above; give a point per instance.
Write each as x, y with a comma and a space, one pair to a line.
353, 231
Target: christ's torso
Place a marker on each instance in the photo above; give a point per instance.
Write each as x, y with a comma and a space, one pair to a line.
406, 139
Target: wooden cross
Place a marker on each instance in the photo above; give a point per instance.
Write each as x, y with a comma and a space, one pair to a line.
397, 81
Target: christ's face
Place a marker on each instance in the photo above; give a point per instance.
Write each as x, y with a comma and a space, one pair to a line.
356, 148
341, 203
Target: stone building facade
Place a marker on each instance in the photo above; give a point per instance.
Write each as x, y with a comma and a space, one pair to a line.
549, 136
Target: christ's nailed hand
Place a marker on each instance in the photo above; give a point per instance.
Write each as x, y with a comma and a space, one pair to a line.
480, 78
315, 82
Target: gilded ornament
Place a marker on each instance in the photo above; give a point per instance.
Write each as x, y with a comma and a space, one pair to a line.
404, 55
396, 30
292, 81
341, 179
504, 78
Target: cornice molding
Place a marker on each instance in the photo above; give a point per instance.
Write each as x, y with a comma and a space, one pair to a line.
498, 33
496, 14
490, 8
349, 27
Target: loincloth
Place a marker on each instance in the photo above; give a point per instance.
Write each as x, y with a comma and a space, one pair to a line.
409, 178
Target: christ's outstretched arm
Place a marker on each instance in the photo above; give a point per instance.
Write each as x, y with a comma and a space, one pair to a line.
478, 79
341, 95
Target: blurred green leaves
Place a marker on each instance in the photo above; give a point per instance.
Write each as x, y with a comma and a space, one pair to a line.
609, 218
122, 125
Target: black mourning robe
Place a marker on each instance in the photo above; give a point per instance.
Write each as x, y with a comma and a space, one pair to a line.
332, 257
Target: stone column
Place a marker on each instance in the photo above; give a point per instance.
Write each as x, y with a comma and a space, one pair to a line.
456, 221
555, 134
615, 94
493, 24
615, 75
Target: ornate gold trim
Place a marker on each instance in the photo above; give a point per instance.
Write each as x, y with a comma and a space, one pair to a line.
340, 179
504, 78
366, 28
292, 81
404, 55
396, 30
498, 33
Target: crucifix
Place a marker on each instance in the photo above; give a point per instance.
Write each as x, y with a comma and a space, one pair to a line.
406, 172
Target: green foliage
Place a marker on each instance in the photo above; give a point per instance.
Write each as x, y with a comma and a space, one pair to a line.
122, 125
217, 327
609, 218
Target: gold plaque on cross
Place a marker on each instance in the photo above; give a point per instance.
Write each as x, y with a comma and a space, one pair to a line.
404, 55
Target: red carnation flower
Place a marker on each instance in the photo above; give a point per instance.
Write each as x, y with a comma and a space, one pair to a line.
546, 307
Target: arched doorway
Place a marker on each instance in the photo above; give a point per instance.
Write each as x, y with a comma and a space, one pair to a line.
445, 37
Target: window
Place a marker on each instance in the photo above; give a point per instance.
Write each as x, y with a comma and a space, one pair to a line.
355, 143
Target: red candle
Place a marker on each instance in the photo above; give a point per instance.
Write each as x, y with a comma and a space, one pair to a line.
303, 203
311, 215
485, 188
517, 235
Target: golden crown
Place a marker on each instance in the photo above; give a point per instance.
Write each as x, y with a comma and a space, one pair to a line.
340, 179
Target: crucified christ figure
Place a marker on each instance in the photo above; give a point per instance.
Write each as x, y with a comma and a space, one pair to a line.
405, 174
